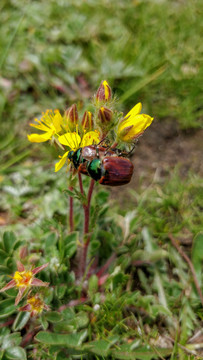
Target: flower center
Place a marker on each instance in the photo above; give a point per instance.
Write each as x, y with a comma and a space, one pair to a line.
23, 278
36, 304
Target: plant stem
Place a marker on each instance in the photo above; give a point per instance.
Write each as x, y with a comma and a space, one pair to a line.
86, 207
71, 221
86, 225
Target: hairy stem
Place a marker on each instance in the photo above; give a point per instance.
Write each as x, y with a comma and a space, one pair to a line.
86, 208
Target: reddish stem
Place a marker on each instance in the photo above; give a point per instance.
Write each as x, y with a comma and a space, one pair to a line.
80, 184
86, 207
72, 303
71, 221
106, 265
114, 145
86, 225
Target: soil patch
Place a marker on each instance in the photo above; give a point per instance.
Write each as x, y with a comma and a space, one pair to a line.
162, 148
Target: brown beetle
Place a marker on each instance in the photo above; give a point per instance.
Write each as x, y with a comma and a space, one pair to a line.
103, 164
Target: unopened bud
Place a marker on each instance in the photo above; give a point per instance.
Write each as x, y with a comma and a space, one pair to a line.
104, 92
87, 121
105, 115
23, 252
71, 115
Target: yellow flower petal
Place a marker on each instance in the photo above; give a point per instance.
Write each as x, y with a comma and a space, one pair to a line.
57, 121
72, 140
40, 138
89, 138
61, 162
40, 126
134, 111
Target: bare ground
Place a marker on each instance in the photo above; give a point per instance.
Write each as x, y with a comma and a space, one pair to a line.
163, 147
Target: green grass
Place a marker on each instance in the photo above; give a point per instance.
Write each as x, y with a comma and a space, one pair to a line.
148, 51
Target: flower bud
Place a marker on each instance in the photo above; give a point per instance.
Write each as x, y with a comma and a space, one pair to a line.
71, 115
104, 92
87, 121
105, 115
133, 124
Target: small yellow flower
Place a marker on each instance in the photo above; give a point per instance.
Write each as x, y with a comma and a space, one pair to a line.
133, 124
74, 142
50, 124
35, 305
24, 279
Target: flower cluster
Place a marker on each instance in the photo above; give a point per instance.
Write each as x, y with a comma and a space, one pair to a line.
70, 134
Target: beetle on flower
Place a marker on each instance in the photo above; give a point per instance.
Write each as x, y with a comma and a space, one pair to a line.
23, 279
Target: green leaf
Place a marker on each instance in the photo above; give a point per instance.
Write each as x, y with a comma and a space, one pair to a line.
7, 308
53, 316
3, 256
20, 320
4, 270
197, 255
67, 340
93, 284
140, 353
9, 240
99, 347
70, 244
15, 353
44, 323
11, 340
81, 320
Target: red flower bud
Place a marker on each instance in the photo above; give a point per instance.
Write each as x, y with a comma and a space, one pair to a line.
104, 92
105, 115
72, 117
87, 121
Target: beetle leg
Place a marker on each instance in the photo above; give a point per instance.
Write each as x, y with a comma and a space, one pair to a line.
133, 148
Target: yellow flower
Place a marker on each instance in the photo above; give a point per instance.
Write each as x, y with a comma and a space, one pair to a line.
24, 279
50, 124
74, 142
133, 124
35, 305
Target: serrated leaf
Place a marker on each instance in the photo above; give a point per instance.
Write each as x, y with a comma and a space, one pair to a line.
7, 307
16, 353
20, 320
67, 340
